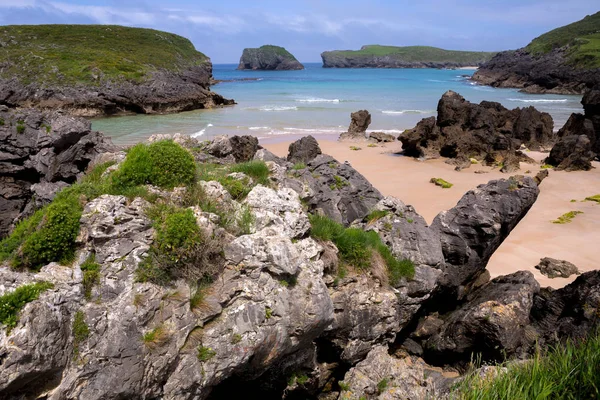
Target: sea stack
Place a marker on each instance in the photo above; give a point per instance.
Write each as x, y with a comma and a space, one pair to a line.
269, 58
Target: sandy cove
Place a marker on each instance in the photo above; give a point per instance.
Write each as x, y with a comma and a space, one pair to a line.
534, 238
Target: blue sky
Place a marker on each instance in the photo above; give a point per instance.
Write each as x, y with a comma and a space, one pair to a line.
223, 28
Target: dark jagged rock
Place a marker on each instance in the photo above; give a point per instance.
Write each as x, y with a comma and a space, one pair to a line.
554, 268
487, 131
303, 150
492, 322
360, 121
244, 147
41, 153
382, 137
572, 153
337, 190
570, 312
269, 58
472, 231
540, 176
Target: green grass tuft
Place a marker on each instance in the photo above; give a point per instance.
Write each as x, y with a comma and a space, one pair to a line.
376, 214
205, 353
298, 166
595, 198
80, 330
11, 303
567, 217
257, 170
91, 275
357, 247
567, 371
382, 385
355, 148
442, 183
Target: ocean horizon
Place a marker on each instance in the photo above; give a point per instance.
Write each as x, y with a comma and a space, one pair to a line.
318, 101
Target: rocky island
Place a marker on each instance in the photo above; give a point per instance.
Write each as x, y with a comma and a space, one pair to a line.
375, 56
96, 70
269, 58
565, 60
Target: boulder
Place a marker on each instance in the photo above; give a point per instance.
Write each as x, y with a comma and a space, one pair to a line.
572, 153
382, 137
337, 190
487, 132
360, 121
47, 149
554, 268
225, 149
383, 376
491, 323
303, 150
472, 231
267, 58
244, 147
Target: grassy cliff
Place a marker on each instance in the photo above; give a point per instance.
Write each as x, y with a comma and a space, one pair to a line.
417, 54
581, 40
90, 54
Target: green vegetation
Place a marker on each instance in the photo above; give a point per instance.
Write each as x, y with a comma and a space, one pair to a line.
355, 148
198, 294
80, 330
417, 54
236, 338
546, 166
568, 371
442, 183
257, 170
12, 302
237, 188
298, 166
566, 217
595, 198
1, 121
344, 387
164, 164
382, 385
205, 353
245, 221
376, 214
156, 337
338, 183
371, 145
581, 38
298, 378
268, 312
20, 127
91, 275
280, 51
91, 54
359, 248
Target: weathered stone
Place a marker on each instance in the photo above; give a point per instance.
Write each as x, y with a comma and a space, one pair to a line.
382, 137
303, 150
572, 153
554, 268
244, 147
360, 121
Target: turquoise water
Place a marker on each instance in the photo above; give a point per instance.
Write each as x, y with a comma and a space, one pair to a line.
319, 101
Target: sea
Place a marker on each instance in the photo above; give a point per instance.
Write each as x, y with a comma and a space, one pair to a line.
280, 105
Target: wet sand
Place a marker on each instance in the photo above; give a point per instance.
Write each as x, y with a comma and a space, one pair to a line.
535, 236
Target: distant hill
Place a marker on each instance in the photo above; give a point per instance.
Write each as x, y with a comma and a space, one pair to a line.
564, 60
376, 56
102, 69
268, 57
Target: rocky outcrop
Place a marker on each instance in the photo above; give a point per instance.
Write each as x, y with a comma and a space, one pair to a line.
337, 190
41, 153
360, 121
492, 323
487, 132
381, 137
303, 150
375, 56
473, 230
580, 137
269, 58
554, 268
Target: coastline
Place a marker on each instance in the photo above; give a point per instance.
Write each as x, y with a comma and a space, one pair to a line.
534, 237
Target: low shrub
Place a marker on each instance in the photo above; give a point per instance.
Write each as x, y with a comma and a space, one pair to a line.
205, 353
357, 247
567, 371
164, 164
237, 188
11, 303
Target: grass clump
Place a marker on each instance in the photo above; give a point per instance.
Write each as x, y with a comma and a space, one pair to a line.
595, 198
567, 217
257, 170
567, 371
382, 385
298, 166
245, 221
80, 330
156, 337
355, 148
358, 248
91, 275
376, 214
205, 353
20, 127
442, 183
338, 183
237, 188
11, 303
165, 164
546, 166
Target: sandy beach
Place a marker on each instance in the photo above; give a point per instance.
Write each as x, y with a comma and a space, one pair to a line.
535, 236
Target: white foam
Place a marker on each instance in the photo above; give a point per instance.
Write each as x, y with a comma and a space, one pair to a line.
312, 130
278, 108
202, 131
257, 128
540, 100
408, 111
317, 100
435, 80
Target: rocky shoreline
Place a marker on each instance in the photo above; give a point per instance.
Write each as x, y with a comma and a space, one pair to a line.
286, 315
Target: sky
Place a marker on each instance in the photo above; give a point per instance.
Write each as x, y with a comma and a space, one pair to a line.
221, 29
